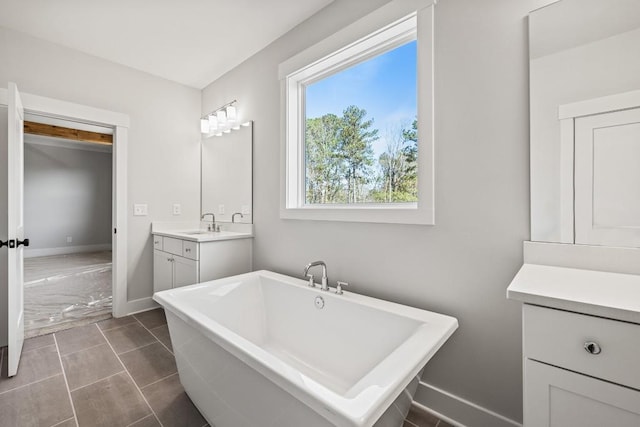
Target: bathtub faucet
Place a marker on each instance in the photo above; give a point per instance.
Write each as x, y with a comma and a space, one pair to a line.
325, 281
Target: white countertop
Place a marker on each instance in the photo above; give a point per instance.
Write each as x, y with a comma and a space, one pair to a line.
203, 236
612, 295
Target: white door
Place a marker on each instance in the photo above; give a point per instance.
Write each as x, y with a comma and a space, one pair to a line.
15, 199
607, 179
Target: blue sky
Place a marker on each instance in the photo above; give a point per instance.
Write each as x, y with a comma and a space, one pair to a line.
385, 86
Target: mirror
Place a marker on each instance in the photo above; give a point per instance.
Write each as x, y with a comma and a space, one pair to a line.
578, 50
226, 175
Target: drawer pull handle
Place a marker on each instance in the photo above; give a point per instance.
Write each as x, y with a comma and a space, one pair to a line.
187, 250
592, 347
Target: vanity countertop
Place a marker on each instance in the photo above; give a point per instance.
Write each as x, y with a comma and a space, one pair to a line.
202, 236
599, 293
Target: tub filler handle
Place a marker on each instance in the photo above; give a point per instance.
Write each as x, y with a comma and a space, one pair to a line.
339, 287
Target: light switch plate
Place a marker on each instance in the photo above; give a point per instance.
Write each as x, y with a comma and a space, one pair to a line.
177, 209
140, 209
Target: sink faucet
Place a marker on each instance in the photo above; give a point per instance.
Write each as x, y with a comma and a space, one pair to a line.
325, 281
212, 226
233, 217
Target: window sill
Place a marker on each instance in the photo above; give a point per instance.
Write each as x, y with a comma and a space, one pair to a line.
398, 214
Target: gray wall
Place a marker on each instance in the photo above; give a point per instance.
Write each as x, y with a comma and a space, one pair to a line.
67, 192
463, 264
164, 135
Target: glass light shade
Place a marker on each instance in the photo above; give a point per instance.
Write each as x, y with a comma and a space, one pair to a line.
232, 114
213, 123
222, 116
204, 126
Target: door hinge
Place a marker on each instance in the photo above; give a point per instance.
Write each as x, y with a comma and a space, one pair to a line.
9, 243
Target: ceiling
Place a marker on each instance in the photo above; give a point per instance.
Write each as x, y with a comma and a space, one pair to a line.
192, 42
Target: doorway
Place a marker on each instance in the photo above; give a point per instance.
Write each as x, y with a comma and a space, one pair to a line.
11, 303
68, 217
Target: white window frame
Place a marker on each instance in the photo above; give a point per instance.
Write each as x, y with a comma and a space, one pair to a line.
395, 24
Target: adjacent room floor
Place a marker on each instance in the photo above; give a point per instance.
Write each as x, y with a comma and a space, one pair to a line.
117, 372
62, 291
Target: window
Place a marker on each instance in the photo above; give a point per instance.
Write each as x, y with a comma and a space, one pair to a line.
358, 123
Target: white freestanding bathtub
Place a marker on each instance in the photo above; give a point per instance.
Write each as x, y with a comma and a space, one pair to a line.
263, 349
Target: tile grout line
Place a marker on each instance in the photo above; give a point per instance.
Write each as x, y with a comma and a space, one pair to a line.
156, 337
31, 383
137, 421
78, 351
116, 327
137, 348
37, 348
161, 379
66, 383
149, 330
101, 379
64, 421
130, 377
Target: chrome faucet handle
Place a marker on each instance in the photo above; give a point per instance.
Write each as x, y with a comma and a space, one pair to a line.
339, 287
311, 284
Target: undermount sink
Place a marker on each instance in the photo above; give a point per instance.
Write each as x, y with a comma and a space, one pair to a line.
196, 233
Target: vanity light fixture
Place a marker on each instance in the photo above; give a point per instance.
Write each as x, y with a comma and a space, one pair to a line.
213, 124
221, 120
231, 113
222, 117
204, 125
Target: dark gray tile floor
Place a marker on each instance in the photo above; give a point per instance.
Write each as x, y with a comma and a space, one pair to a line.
117, 372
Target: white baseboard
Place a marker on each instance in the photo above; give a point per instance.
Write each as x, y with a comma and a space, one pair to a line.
32, 253
140, 305
458, 411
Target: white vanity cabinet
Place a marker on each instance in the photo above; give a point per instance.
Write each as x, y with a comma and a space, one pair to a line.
581, 346
181, 262
579, 370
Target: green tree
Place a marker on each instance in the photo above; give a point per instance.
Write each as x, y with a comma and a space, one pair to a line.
397, 179
324, 164
356, 138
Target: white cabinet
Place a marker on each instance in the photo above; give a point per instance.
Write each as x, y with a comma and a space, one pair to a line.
172, 271
178, 262
558, 397
162, 270
598, 191
579, 370
607, 179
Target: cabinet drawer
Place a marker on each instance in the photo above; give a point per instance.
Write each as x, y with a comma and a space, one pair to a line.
157, 242
190, 249
171, 245
559, 337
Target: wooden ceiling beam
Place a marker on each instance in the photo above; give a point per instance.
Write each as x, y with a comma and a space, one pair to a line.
42, 129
